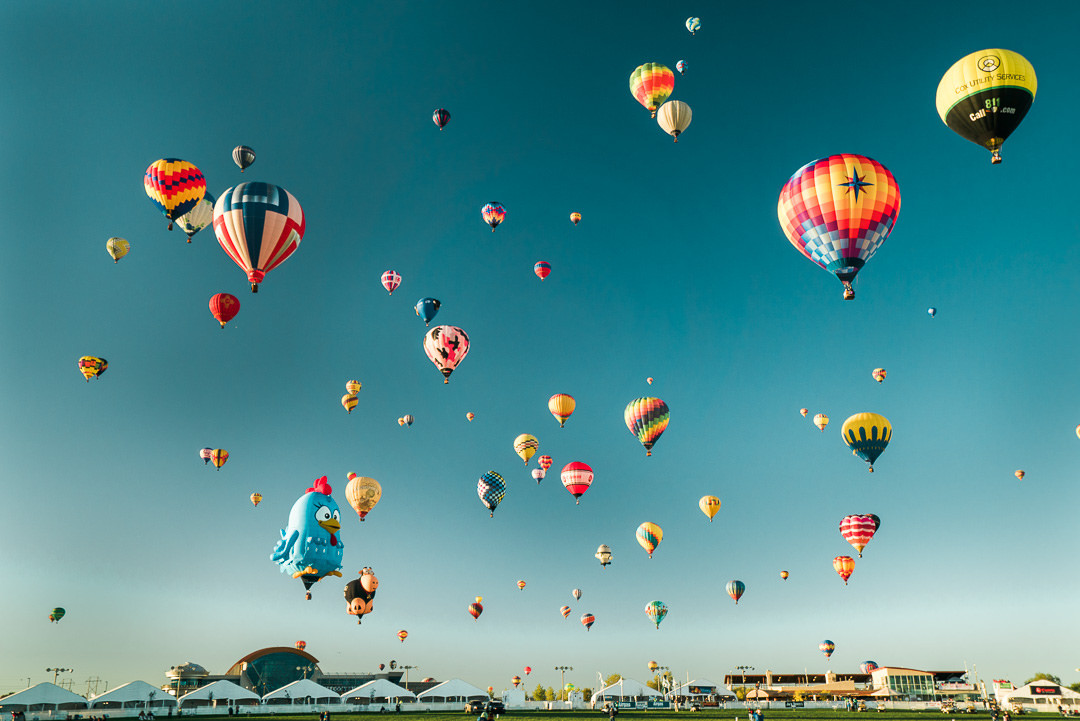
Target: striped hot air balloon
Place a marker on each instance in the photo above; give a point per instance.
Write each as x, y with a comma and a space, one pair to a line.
576, 478
565, 611
545, 462
349, 401
243, 156
198, 217
353, 387
258, 225
403, 634
391, 280
256, 499
562, 407
651, 84
525, 446
735, 589
649, 536
827, 647
647, 418
587, 620
175, 186
542, 269
441, 117
844, 566
218, 457
858, 530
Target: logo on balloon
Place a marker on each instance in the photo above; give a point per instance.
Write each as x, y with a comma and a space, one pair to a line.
988, 63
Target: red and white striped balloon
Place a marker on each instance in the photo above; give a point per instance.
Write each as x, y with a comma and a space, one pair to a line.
858, 530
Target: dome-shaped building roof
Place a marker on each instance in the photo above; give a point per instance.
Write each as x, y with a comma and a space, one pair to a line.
187, 670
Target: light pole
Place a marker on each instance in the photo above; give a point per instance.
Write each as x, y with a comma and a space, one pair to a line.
407, 675
744, 669
57, 671
562, 676
660, 679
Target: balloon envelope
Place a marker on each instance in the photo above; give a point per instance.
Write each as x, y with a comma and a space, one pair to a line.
542, 269
491, 488
362, 493
867, 435
565, 611
656, 611
651, 84
175, 186
256, 499
858, 530
821, 420
647, 418
427, 308
259, 226
575, 218
545, 462
735, 589
117, 248
693, 24
441, 117
649, 536
576, 478
243, 156
446, 346
827, 647
224, 307
525, 446
493, 214
587, 620
390, 280
674, 117
562, 407
198, 217
844, 566
709, 505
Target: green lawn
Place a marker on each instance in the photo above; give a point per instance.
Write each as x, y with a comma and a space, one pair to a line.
730, 714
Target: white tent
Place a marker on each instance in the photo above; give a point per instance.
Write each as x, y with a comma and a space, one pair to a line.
302, 691
379, 691
625, 690
43, 697
702, 688
136, 694
1038, 696
453, 690
226, 691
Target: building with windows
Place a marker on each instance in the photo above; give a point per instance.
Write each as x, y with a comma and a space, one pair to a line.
886, 683
1045, 696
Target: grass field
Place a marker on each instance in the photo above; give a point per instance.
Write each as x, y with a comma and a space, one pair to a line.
731, 714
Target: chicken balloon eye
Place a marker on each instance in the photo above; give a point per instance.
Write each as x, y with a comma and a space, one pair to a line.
322, 513
337, 515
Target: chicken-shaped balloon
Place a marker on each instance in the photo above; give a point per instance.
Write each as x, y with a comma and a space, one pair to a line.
310, 547
360, 594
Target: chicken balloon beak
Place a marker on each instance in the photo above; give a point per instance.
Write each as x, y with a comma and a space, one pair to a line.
331, 526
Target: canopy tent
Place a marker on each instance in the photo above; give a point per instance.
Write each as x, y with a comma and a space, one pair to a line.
625, 690
1038, 696
379, 690
226, 691
702, 688
43, 697
136, 694
302, 691
453, 690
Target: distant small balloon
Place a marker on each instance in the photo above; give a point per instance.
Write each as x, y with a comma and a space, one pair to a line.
575, 218
1020, 475
821, 420
521, 585
878, 374
256, 499
542, 269
576, 593
538, 474
649, 380
784, 575
565, 611
349, 401
441, 117
117, 248
469, 416
352, 387
931, 311
681, 67
804, 411
391, 280
243, 156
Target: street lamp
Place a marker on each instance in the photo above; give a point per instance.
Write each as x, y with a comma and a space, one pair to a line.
57, 671
407, 675
744, 669
660, 678
562, 676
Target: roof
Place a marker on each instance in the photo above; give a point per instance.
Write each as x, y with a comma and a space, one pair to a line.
453, 687
683, 689
1025, 691
237, 667
379, 688
226, 690
132, 691
627, 687
301, 688
43, 693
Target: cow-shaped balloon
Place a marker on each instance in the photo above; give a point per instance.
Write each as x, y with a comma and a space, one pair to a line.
360, 594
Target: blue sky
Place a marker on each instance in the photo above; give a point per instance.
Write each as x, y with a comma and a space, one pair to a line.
678, 270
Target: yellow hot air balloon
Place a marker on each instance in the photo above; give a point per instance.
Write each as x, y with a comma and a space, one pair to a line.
1019, 475
91, 366
673, 117
562, 407
985, 95
349, 401
352, 387
821, 420
525, 446
521, 585
709, 505
256, 499
804, 411
118, 248
362, 493
867, 435
878, 374
649, 536
784, 575
469, 416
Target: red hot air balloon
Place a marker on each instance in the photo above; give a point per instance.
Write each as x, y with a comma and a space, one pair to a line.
528, 670
576, 478
259, 225
391, 280
542, 269
224, 307
858, 530
300, 645
475, 609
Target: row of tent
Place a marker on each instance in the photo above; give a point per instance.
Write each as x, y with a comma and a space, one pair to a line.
141, 695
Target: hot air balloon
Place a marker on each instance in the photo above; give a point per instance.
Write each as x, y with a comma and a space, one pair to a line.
827, 647
603, 554
867, 435
542, 269
256, 499
516, 680
198, 217
525, 446
837, 211
469, 416
649, 380
360, 595
1020, 475
821, 420
175, 186
401, 422
243, 156
656, 610
407, 420
693, 25
446, 346
651, 84
681, 67
528, 670
735, 589
709, 505
300, 645
575, 218
545, 462
218, 457
985, 95
858, 530
475, 609
878, 374
803, 412
205, 454
845, 566
427, 308
258, 225
784, 575
117, 248
867, 666
565, 611
538, 474
56, 614
653, 666
649, 536
493, 214
1078, 431
353, 387
403, 634
562, 407
310, 546
673, 117
576, 478
931, 312
349, 401
224, 307
587, 620
362, 493
390, 280
441, 117
491, 488
576, 593
92, 367
646, 418
521, 585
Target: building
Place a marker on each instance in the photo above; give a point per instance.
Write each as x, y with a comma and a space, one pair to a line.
893, 683
1045, 696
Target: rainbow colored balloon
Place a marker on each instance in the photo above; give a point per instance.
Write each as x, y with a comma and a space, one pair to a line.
837, 211
651, 84
827, 647
175, 186
493, 214
647, 418
844, 567
735, 589
649, 536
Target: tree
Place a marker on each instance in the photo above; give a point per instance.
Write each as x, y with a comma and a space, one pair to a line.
740, 692
613, 679
538, 693
1075, 687
586, 693
1044, 677
799, 695
549, 694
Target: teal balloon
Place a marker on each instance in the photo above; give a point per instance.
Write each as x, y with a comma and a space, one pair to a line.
426, 308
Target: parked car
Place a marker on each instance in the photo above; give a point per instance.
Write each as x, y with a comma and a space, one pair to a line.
478, 706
